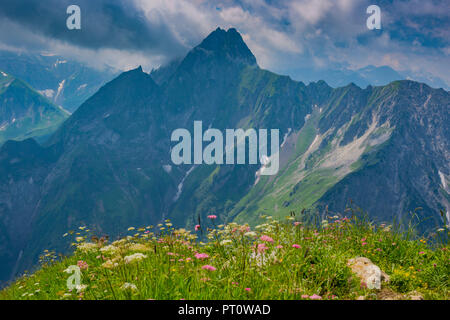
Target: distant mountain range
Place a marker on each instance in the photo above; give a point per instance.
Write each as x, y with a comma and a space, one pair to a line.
64, 82
24, 112
369, 75
108, 166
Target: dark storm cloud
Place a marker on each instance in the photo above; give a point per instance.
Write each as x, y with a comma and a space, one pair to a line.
113, 24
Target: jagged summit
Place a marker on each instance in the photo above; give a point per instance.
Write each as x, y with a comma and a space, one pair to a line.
227, 44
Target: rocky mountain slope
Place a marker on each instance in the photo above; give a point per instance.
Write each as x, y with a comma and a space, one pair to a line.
64, 82
108, 166
24, 112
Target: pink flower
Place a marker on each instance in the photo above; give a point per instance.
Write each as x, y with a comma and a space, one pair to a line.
212, 217
197, 227
82, 265
266, 238
201, 256
305, 296
248, 289
235, 283
364, 243
297, 223
262, 247
315, 297
421, 252
209, 268
296, 246
279, 246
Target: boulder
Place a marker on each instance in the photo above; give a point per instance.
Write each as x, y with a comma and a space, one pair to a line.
370, 274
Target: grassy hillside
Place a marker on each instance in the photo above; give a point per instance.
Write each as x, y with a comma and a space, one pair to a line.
289, 259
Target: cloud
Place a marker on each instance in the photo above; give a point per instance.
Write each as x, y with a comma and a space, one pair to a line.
283, 34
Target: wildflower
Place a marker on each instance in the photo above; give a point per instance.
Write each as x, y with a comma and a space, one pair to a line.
250, 234
110, 249
81, 287
109, 264
79, 239
201, 256
212, 217
135, 257
248, 289
130, 228
209, 268
296, 246
297, 223
304, 296
315, 297
138, 247
197, 227
262, 247
279, 246
364, 243
226, 242
82, 265
87, 247
422, 252
266, 238
128, 286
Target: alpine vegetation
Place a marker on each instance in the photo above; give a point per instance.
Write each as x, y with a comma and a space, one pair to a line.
340, 257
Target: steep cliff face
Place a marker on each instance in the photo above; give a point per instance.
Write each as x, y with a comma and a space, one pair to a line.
109, 167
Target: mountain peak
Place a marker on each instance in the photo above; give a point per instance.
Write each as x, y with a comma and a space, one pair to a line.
228, 43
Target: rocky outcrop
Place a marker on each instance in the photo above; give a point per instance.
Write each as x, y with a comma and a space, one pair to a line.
371, 275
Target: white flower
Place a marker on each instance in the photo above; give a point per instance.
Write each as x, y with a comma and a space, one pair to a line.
250, 234
226, 242
109, 264
135, 257
128, 286
109, 249
87, 247
81, 287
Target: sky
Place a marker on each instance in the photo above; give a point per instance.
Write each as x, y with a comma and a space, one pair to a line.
284, 35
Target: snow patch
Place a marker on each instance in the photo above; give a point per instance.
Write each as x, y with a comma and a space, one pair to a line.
307, 117
167, 168
443, 180
60, 88
49, 93
180, 186
285, 137
58, 62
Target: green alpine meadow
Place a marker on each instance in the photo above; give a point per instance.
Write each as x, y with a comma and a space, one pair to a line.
277, 259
